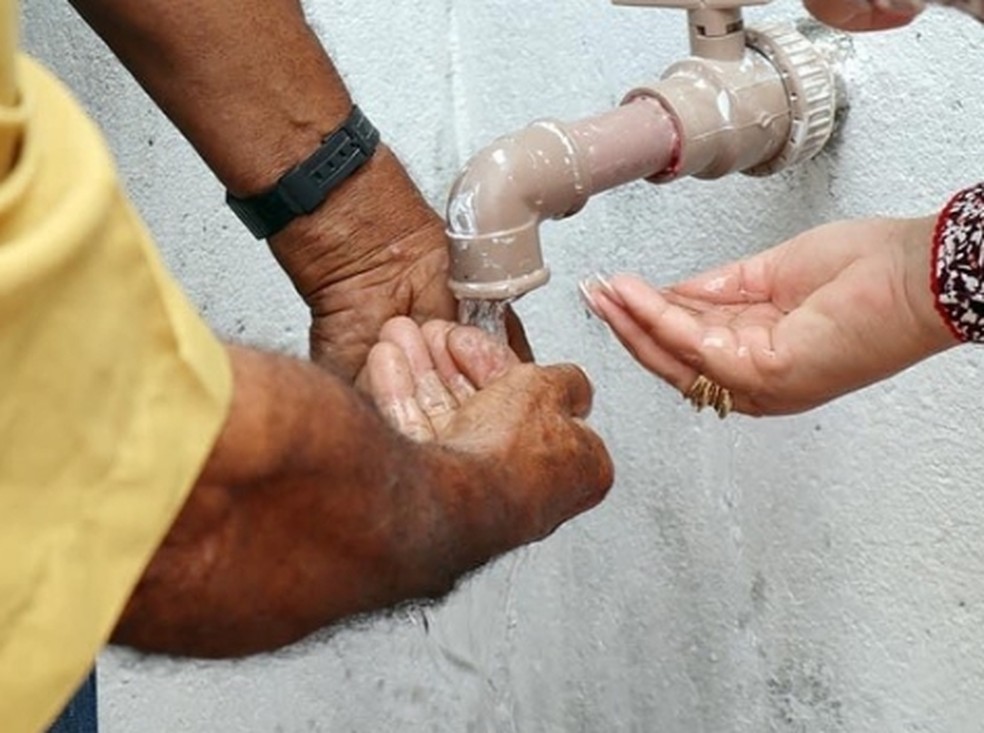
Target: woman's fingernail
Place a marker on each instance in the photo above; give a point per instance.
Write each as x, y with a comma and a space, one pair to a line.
608, 289
584, 290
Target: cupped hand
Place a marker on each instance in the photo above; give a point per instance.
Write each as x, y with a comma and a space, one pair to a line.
828, 312
459, 388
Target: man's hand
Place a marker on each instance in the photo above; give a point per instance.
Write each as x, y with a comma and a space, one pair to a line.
255, 109
827, 312
460, 388
312, 509
373, 252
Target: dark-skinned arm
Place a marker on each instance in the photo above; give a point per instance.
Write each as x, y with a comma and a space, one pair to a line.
311, 509
251, 87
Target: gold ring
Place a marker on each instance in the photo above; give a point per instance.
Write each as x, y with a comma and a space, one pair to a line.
705, 392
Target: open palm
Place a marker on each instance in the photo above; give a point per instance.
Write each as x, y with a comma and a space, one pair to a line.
827, 312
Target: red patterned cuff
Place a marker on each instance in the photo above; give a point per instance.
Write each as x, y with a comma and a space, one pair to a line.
958, 264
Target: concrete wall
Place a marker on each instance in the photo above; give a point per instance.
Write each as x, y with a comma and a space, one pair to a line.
815, 573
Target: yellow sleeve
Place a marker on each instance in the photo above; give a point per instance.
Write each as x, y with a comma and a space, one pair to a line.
112, 392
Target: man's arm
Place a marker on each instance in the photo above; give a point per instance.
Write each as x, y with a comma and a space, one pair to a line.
251, 87
311, 509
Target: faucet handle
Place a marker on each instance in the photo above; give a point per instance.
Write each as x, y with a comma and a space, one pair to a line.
716, 27
811, 89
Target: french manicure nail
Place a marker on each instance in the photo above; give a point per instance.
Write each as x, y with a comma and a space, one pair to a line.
584, 289
609, 289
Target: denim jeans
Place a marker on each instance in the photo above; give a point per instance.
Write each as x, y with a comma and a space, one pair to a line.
79, 716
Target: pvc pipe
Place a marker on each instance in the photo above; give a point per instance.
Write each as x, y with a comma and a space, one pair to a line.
752, 101
545, 171
732, 116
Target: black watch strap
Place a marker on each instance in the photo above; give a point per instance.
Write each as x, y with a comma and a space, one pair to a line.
305, 187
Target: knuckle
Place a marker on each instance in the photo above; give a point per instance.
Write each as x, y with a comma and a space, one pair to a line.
435, 330
396, 326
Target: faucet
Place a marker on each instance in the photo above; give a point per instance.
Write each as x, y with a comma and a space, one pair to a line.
749, 100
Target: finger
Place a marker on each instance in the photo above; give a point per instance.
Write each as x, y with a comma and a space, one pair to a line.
643, 348
596, 465
479, 356
405, 333
568, 389
597, 284
435, 334
744, 281
432, 396
593, 472
862, 15
716, 351
393, 389
516, 335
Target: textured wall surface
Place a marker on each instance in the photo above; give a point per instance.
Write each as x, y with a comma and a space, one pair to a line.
817, 573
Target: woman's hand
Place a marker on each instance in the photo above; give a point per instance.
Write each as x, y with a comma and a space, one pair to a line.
828, 312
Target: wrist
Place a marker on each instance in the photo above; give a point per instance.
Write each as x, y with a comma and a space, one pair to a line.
274, 152
931, 334
371, 220
467, 521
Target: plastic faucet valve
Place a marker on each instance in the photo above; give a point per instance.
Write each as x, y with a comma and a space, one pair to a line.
721, 48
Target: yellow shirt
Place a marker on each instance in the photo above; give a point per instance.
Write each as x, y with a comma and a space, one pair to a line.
112, 392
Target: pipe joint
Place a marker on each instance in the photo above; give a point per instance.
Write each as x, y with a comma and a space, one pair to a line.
772, 108
496, 206
546, 171
729, 115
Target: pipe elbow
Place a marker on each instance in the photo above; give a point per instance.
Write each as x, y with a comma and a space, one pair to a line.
496, 206
545, 171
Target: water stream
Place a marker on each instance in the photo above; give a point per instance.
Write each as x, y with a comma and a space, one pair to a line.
488, 315
489, 658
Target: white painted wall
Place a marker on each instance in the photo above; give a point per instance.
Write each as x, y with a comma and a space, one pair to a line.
816, 573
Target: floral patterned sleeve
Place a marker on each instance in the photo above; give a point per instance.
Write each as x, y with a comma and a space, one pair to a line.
958, 264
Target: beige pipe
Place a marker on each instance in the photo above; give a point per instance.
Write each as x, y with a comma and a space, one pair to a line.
706, 118
732, 116
545, 171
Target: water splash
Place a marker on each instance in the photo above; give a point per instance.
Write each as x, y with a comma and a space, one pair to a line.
488, 315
